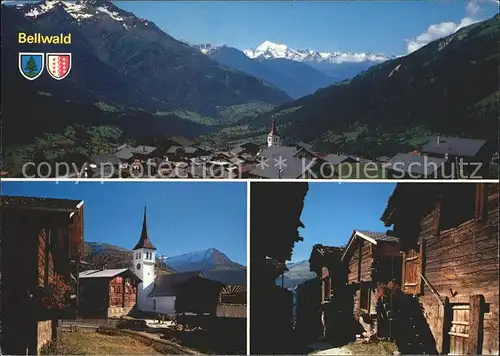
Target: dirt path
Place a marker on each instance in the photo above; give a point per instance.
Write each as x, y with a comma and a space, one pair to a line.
323, 348
334, 351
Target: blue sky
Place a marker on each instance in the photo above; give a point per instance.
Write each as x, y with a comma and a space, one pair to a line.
182, 217
332, 210
358, 26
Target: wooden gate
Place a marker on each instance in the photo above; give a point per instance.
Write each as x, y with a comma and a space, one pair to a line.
465, 328
459, 330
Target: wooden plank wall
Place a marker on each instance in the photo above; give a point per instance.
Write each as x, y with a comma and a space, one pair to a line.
461, 262
116, 292
360, 264
76, 235
360, 270
45, 260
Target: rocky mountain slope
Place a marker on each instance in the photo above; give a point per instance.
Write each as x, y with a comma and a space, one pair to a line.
298, 272
206, 260
122, 59
295, 78
99, 254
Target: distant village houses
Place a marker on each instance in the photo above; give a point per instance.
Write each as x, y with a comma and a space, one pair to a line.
439, 157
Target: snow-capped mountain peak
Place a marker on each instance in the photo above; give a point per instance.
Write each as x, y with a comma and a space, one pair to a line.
271, 50
200, 260
79, 10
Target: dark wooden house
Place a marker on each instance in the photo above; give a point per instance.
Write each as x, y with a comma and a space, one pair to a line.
449, 237
371, 258
189, 291
42, 241
275, 209
475, 153
308, 310
107, 293
143, 153
336, 300
233, 295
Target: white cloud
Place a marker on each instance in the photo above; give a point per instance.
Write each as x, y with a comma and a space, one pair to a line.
444, 29
472, 8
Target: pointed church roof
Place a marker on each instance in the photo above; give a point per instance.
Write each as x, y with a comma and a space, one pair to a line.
273, 131
144, 241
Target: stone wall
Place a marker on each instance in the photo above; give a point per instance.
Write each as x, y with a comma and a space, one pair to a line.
116, 312
44, 334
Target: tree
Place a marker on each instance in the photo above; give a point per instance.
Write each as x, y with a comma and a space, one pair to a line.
31, 67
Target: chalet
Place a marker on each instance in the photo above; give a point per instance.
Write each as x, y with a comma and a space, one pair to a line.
144, 153
405, 165
179, 141
105, 166
308, 310
454, 149
336, 159
42, 246
245, 148
371, 258
336, 301
305, 150
107, 293
280, 162
187, 292
233, 295
175, 153
125, 153
449, 239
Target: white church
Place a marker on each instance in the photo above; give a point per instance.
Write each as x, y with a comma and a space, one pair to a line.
144, 257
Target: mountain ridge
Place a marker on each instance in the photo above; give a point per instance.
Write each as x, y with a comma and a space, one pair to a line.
101, 254
447, 87
268, 49
166, 73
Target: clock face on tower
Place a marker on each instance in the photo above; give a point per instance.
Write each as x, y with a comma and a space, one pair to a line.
138, 266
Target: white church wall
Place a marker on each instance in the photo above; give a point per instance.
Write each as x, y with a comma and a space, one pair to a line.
164, 305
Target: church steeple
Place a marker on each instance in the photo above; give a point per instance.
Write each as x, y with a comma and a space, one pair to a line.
273, 138
273, 131
144, 241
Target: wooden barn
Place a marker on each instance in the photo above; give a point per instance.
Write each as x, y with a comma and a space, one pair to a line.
187, 292
371, 258
449, 237
325, 261
42, 247
107, 293
308, 310
233, 295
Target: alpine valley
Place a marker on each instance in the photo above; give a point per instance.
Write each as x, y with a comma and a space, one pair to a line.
131, 83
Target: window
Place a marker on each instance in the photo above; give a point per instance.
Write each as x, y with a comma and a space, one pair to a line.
364, 298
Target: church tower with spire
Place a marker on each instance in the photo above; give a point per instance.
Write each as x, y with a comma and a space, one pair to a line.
273, 138
144, 263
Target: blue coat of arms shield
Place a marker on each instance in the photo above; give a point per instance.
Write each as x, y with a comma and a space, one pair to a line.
31, 65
